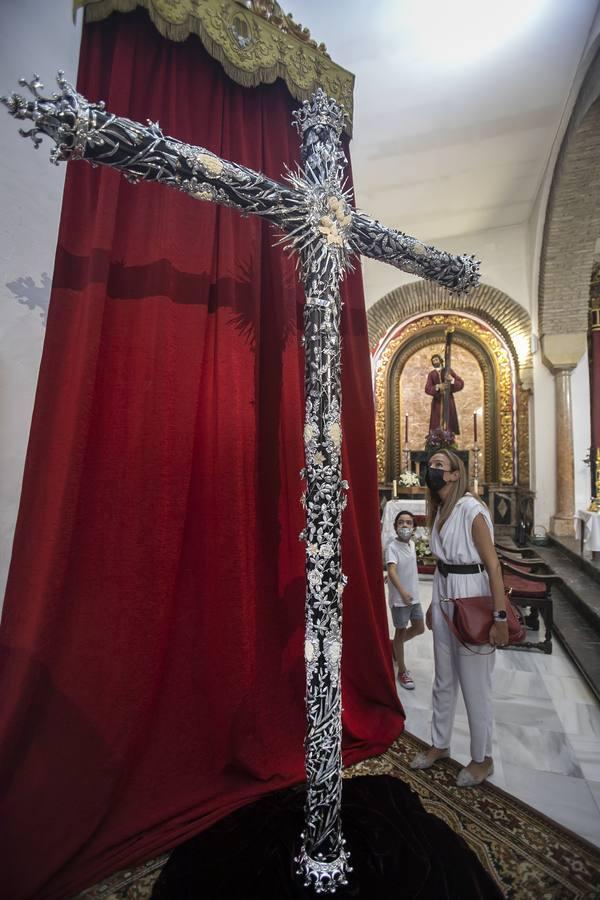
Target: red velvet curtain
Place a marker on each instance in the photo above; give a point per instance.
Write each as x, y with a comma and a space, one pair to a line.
152, 639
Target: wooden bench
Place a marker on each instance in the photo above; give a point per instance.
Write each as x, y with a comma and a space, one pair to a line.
529, 580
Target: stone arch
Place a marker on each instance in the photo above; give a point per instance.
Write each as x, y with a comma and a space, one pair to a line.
488, 303
572, 223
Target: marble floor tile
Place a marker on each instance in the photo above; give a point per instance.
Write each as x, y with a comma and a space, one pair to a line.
567, 687
567, 800
516, 661
422, 667
533, 712
415, 699
587, 754
508, 683
555, 664
420, 648
594, 787
418, 722
582, 719
534, 750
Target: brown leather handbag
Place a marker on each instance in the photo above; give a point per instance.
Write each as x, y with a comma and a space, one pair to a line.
473, 619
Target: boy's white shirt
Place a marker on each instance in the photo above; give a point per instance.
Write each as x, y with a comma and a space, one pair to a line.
404, 555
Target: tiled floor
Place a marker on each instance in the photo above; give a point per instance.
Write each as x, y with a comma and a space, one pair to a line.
547, 729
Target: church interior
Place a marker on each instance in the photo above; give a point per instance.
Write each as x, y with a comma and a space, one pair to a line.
383, 249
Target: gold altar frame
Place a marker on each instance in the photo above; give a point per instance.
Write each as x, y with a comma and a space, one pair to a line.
500, 392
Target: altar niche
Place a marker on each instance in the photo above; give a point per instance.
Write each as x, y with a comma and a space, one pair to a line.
409, 379
489, 367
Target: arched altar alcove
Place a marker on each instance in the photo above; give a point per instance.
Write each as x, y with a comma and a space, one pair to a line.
411, 348
492, 332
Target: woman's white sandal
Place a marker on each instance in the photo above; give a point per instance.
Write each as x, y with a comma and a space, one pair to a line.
465, 779
423, 761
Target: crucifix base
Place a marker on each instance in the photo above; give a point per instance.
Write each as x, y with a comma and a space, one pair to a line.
398, 850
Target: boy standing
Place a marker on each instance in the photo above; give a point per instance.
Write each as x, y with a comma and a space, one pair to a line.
403, 591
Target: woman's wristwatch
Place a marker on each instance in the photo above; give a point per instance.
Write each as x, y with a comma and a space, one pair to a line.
499, 615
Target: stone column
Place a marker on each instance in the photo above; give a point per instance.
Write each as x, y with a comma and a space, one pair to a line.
562, 522
561, 353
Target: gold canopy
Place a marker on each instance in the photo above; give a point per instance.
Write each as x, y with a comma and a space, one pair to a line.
255, 42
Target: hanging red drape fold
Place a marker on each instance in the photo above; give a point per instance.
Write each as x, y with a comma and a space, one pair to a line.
152, 638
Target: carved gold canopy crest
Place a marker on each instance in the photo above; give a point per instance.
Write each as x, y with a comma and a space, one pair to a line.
255, 42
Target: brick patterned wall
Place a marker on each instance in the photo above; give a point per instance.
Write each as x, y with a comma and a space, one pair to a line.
571, 229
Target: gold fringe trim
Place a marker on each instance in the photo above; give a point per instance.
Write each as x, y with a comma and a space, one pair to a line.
251, 50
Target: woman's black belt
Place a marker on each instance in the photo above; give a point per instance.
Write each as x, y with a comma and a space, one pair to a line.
468, 569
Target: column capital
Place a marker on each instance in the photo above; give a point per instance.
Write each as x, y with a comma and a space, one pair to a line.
563, 351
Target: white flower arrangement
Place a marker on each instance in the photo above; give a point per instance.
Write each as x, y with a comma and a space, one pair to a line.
409, 479
422, 547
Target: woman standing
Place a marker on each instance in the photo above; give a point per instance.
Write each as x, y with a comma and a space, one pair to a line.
462, 541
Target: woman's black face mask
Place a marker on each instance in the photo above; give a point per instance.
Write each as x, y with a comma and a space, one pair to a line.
434, 479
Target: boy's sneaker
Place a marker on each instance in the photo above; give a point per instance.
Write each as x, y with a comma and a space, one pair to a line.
405, 679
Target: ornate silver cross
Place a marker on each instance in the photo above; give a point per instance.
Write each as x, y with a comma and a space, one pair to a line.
312, 207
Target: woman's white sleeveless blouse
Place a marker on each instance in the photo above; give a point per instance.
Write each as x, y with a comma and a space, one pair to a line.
455, 546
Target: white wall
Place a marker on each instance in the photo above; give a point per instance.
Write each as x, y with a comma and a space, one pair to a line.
35, 37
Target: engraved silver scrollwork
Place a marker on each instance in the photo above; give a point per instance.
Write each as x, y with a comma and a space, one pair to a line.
314, 210
458, 274
321, 221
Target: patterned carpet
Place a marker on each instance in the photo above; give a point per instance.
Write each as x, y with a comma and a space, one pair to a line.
530, 857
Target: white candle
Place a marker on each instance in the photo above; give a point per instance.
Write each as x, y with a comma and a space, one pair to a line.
394, 488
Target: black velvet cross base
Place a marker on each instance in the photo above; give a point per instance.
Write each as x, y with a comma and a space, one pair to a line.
397, 850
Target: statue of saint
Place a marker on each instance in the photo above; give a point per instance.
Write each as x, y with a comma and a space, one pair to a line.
439, 381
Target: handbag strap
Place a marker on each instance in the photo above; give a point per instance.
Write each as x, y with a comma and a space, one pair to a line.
454, 630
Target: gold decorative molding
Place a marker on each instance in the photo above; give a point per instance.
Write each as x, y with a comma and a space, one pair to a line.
502, 362
487, 303
523, 396
254, 43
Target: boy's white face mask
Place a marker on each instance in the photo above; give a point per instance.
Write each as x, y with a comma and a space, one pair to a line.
404, 533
